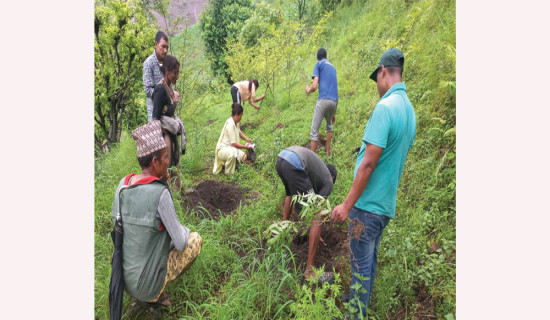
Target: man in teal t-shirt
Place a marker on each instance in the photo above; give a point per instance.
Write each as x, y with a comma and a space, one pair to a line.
388, 136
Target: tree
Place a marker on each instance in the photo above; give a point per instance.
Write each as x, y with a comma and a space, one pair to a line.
221, 21
123, 40
301, 8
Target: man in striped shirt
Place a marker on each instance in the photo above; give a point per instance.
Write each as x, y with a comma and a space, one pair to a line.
151, 70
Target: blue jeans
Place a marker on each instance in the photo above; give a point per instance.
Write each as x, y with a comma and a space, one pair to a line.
364, 251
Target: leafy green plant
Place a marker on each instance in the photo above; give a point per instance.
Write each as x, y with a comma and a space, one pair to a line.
222, 21
123, 37
317, 300
312, 204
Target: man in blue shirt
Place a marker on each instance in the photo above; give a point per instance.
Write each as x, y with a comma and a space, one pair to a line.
324, 77
370, 204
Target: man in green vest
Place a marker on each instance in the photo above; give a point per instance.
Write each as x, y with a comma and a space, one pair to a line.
156, 247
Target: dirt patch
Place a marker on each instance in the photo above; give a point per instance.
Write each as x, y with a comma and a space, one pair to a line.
251, 125
433, 246
138, 310
356, 229
335, 254
210, 122
423, 307
216, 197
351, 93
279, 126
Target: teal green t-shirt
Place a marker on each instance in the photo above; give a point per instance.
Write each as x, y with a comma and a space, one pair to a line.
392, 126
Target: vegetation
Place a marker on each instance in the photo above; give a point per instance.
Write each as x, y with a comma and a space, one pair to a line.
239, 274
220, 22
122, 33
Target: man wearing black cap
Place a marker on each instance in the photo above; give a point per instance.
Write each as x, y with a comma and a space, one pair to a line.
388, 136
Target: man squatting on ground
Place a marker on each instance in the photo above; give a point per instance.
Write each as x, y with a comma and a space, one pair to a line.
303, 172
156, 247
388, 136
151, 70
324, 77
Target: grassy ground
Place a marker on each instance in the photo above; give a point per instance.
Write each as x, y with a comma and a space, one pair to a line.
237, 276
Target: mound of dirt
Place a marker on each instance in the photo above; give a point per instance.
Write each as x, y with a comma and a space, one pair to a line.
279, 126
252, 125
333, 254
216, 197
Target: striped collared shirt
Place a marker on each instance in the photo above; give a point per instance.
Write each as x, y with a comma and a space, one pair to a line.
151, 76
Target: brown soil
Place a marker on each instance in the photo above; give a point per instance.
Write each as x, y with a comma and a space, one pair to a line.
433, 246
356, 229
279, 126
210, 122
423, 307
252, 125
138, 310
217, 198
335, 254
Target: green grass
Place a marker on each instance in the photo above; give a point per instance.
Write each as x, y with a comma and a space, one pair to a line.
417, 252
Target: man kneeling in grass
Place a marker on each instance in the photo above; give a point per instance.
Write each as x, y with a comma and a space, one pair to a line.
156, 247
303, 172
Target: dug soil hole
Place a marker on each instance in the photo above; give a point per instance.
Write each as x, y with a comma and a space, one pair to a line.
333, 253
278, 126
216, 197
251, 125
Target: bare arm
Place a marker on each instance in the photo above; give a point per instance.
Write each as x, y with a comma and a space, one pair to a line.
367, 166
250, 100
241, 146
241, 134
314, 85
288, 208
260, 98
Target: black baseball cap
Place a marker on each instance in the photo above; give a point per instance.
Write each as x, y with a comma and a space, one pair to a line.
393, 57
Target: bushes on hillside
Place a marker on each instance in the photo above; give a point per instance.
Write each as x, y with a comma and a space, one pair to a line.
123, 39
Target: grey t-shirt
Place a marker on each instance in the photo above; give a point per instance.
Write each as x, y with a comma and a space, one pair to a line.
316, 169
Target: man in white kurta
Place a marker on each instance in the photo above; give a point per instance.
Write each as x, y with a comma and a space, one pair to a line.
226, 154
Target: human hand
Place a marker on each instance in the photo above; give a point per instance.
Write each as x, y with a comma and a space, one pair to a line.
248, 140
307, 88
189, 191
176, 96
247, 146
340, 213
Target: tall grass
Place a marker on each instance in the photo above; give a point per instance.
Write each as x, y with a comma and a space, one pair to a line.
236, 276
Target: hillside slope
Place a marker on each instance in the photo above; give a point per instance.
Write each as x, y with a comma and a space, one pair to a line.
237, 275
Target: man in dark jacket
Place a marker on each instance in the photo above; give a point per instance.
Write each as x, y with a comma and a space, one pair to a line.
303, 172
